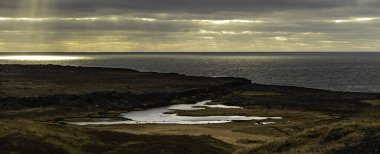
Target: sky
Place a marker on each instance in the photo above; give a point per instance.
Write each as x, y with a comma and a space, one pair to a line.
189, 25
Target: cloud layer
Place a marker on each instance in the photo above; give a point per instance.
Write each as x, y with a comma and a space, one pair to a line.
189, 25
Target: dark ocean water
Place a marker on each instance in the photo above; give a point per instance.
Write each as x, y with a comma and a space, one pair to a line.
333, 71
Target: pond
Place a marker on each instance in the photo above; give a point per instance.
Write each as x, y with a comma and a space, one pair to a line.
162, 115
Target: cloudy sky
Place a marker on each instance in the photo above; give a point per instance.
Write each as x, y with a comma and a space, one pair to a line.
189, 25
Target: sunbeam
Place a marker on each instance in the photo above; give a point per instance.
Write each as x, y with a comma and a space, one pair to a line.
34, 10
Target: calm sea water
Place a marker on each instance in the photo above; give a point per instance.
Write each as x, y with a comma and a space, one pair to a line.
333, 71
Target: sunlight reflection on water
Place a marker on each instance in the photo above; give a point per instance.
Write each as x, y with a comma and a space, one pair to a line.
41, 58
356, 72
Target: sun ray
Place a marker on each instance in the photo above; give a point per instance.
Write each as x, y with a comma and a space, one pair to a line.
30, 12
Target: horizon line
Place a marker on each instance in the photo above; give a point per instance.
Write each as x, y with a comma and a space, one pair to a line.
173, 52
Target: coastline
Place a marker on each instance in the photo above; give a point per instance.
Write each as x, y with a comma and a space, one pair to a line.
50, 94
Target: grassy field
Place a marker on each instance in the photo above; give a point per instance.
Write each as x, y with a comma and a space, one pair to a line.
355, 116
36, 100
22, 136
342, 137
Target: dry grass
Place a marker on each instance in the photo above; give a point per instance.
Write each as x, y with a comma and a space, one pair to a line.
374, 102
23, 136
341, 137
223, 132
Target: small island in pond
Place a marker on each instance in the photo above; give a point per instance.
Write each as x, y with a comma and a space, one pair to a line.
41, 107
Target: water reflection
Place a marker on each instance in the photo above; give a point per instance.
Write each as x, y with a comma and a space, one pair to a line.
160, 116
356, 72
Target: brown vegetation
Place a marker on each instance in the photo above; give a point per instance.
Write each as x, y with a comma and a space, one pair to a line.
34, 100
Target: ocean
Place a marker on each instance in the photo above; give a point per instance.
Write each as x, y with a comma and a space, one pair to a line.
356, 72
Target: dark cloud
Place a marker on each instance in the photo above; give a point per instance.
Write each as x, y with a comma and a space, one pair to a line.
103, 25
371, 3
99, 7
131, 25
200, 6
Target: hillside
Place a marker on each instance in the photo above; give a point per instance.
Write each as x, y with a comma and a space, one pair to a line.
37, 102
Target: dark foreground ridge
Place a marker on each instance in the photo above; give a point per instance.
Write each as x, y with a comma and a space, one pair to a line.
26, 137
101, 89
42, 96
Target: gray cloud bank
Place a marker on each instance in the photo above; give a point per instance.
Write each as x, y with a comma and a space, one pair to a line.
190, 25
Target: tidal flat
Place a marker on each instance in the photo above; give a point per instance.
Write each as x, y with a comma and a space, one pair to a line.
37, 101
